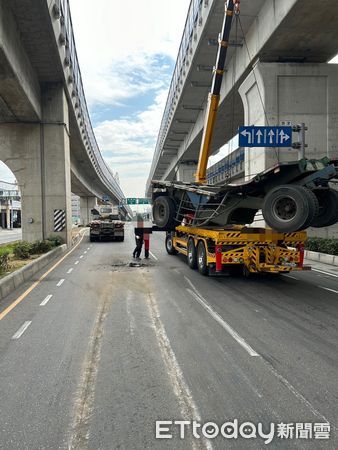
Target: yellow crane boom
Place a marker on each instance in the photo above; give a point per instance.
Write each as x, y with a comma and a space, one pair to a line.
231, 6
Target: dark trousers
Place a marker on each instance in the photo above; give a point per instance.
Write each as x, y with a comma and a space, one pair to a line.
138, 249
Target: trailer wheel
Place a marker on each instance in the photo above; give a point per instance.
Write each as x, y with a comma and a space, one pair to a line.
164, 212
288, 208
202, 258
314, 207
328, 208
169, 246
192, 254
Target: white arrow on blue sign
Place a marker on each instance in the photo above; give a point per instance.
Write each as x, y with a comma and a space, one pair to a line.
265, 136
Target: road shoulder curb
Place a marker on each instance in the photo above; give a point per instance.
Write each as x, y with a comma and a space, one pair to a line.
14, 280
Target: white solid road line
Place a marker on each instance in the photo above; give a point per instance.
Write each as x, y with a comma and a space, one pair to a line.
290, 276
280, 377
60, 282
197, 296
223, 324
46, 300
76, 262
152, 254
328, 289
326, 273
21, 330
70, 270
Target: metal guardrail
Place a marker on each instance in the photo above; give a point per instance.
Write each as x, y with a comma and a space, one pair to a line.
194, 13
88, 136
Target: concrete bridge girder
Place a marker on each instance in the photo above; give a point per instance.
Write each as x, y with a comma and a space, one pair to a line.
20, 96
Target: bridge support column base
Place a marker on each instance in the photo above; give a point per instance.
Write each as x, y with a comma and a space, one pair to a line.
86, 205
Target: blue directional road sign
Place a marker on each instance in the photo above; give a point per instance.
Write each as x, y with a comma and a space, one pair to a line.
265, 136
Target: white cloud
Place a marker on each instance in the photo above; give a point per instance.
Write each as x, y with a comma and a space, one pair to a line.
128, 145
118, 45
124, 79
114, 30
116, 39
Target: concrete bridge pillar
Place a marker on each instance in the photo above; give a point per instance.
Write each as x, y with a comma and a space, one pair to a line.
55, 161
38, 155
186, 171
86, 205
298, 93
277, 92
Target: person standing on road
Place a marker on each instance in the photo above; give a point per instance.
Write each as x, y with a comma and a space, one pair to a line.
139, 244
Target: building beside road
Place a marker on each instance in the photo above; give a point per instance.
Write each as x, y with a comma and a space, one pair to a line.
10, 205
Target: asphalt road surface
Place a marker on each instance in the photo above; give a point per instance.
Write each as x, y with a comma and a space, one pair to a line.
98, 351
10, 235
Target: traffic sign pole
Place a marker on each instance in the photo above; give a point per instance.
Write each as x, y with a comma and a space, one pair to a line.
300, 145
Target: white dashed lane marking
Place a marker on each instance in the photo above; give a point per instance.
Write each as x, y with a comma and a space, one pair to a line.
326, 273
60, 282
328, 289
46, 300
290, 276
21, 330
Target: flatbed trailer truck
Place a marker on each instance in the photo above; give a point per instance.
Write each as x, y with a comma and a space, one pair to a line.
214, 251
213, 234
106, 229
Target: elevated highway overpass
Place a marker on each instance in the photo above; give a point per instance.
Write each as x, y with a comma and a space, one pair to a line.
46, 137
276, 71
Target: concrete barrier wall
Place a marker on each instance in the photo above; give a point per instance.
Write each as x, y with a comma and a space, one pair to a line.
321, 257
11, 282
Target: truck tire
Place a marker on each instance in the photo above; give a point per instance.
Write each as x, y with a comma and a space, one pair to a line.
288, 208
314, 207
169, 246
164, 212
92, 239
328, 208
191, 254
202, 259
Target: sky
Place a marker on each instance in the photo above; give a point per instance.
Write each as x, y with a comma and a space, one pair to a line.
127, 52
